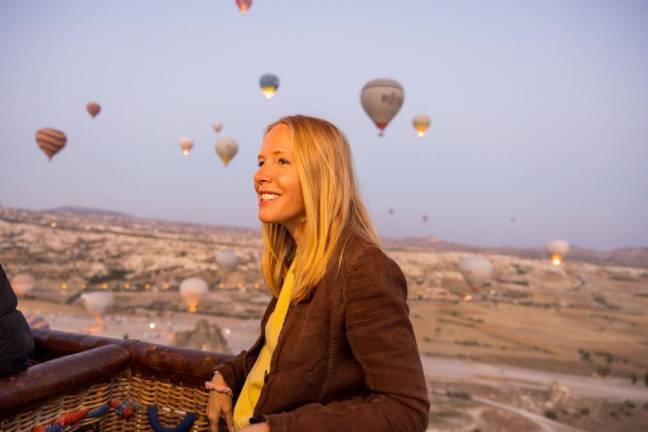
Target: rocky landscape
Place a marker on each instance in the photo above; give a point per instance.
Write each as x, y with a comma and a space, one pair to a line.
540, 347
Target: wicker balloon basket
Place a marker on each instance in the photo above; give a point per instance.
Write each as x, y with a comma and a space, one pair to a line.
82, 383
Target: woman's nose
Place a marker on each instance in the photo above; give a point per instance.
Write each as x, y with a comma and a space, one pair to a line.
262, 175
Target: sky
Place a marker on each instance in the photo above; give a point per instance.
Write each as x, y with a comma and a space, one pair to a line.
539, 109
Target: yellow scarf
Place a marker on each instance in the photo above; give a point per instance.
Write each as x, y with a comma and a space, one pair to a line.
249, 396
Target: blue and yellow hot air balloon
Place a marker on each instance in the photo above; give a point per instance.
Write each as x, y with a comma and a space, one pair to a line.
269, 84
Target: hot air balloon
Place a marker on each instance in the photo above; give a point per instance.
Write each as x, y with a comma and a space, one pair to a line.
186, 144
227, 260
51, 141
391, 211
425, 218
421, 123
98, 303
244, 5
193, 290
476, 270
36, 321
382, 99
22, 284
93, 109
226, 148
557, 250
269, 84
218, 126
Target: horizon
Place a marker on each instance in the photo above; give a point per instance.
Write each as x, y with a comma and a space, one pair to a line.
539, 247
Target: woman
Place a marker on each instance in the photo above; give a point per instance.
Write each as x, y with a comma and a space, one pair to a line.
337, 351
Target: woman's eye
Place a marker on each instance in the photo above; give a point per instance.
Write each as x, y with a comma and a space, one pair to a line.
260, 163
283, 161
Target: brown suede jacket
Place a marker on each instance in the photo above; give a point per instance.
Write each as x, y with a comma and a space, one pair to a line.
346, 358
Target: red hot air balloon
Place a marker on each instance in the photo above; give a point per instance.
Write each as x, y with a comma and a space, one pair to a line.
51, 141
93, 109
244, 5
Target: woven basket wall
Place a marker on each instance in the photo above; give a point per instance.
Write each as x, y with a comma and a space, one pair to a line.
173, 402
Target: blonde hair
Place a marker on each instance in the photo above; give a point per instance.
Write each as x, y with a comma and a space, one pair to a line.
332, 205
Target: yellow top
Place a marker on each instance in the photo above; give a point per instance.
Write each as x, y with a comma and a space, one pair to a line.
251, 390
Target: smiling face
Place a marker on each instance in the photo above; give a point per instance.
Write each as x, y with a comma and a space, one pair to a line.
276, 182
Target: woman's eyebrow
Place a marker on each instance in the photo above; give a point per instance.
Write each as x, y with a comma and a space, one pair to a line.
278, 151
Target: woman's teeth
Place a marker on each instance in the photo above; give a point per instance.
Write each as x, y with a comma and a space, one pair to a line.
268, 196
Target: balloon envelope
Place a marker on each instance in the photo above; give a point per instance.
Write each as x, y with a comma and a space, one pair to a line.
93, 109
227, 260
226, 148
557, 250
22, 284
421, 123
193, 290
381, 100
98, 302
476, 270
218, 126
51, 141
269, 84
244, 5
186, 144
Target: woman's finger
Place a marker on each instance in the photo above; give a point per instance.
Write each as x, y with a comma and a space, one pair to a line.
229, 419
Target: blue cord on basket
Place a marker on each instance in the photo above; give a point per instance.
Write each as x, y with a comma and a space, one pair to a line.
184, 425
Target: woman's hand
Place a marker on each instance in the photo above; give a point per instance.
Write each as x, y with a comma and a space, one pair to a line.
259, 427
219, 405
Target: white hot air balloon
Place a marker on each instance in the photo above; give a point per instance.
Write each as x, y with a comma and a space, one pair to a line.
186, 144
227, 260
218, 126
98, 303
22, 284
476, 270
382, 99
193, 290
557, 250
226, 148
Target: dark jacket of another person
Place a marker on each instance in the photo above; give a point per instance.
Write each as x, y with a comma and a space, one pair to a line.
346, 358
16, 341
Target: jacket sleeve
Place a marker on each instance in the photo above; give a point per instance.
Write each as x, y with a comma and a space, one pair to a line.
382, 340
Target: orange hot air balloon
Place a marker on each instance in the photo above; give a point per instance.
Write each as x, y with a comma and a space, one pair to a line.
186, 144
51, 141
93, 109
421, 123
244, 5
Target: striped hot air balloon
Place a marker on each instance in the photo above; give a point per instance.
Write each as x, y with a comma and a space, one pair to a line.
36, 321
51, 141
93, 109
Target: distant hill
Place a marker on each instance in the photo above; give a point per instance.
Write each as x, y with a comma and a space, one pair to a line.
628, 257
86, 211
